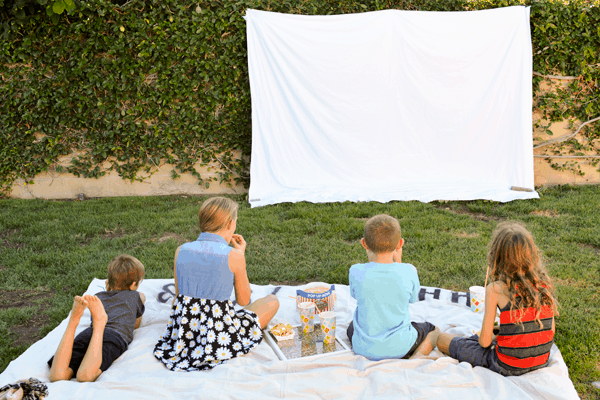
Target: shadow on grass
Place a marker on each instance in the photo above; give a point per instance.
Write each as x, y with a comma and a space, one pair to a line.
30, 330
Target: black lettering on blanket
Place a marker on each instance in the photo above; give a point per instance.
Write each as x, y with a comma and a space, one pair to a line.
167, 294
457, 295
435, 293
277, 289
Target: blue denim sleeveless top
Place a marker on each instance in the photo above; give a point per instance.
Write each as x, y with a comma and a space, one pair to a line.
203, 268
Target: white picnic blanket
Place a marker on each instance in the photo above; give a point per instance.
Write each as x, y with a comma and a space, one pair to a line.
260, 374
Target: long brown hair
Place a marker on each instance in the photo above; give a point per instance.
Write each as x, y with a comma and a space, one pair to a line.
514, 259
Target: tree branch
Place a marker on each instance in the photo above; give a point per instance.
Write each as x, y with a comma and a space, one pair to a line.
545, 156
566, 137
555, 76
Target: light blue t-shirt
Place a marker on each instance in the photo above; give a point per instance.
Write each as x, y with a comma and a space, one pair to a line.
382, 327
203, 268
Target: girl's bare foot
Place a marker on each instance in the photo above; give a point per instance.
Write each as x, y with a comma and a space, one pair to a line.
79, 306
97, 310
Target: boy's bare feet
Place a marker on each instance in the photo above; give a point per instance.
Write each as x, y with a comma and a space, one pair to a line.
97, 310
79, 306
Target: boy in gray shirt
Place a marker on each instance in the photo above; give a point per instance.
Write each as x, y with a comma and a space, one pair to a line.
115, 314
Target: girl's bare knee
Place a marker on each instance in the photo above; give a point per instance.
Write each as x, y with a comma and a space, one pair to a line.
273, 301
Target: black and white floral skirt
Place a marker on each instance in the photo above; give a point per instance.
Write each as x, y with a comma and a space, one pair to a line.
202, 334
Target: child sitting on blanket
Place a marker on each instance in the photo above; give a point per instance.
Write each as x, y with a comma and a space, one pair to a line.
115, 314
522, 290
204, 329
383, 288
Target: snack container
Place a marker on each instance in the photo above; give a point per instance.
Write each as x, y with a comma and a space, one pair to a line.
280, 338
324, 297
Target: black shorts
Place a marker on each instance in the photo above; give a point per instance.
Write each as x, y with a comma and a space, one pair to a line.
422, 328
113, 345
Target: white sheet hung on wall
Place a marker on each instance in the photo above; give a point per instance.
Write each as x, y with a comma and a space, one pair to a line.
390, 105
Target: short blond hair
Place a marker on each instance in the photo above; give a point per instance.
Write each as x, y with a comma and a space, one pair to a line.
382, 233
124, 270
216, 213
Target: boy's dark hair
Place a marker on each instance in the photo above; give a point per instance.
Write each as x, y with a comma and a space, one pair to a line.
124, 270
382, 233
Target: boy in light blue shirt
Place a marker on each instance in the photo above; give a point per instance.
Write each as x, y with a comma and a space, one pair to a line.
383, 288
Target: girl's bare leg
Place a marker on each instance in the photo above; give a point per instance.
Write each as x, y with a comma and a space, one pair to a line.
90, 370
60, 370
265, 308
427, 346
443, 343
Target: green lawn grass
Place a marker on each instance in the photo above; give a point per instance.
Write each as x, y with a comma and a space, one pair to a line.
58, 247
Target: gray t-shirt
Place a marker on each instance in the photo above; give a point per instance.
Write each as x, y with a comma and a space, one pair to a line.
123, 307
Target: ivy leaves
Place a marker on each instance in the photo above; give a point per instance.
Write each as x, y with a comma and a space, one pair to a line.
57, 7
131, 86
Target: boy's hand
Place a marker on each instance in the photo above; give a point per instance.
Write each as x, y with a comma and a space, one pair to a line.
238, 243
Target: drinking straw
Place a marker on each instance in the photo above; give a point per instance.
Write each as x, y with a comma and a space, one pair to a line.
295, 297
298, 301
317, 308
487, 271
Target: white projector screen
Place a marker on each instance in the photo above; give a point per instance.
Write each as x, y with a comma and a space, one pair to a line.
390, 105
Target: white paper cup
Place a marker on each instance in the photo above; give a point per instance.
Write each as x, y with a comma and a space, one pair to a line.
477, 299
328, 326
307, 316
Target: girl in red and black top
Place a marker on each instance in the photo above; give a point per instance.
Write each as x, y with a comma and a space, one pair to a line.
523, 291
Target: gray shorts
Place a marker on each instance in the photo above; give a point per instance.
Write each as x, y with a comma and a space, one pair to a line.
469, 350
422, 328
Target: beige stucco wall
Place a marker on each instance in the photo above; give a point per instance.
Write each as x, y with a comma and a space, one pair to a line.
52, 185
68, 186
545, 175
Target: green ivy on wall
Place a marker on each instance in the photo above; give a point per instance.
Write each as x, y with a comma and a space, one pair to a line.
131, 86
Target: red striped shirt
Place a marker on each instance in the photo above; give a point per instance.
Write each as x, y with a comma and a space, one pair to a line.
528, 314
529, 362
524, 344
